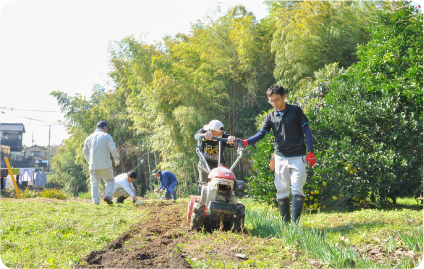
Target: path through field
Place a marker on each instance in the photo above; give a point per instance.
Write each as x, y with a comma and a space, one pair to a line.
150, 243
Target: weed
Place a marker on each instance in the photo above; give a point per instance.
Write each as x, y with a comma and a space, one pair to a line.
54, 193
29, 193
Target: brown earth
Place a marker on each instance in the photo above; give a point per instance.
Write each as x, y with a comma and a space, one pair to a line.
150, 243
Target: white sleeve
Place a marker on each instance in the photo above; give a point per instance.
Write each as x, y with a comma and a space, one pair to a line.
86, 151
125, 185
112, 148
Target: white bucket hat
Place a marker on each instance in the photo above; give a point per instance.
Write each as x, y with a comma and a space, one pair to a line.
214, 125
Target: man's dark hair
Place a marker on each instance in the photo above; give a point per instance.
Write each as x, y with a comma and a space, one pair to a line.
132, 174
276, 89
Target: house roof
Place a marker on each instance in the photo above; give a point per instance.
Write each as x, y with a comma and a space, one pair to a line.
35, 146
12, 127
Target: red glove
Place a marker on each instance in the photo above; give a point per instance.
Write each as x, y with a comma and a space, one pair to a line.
244, 143
310, 158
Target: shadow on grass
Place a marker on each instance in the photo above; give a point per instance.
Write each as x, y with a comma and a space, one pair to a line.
355, 206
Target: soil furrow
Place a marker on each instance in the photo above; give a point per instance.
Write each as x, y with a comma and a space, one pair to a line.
150, 243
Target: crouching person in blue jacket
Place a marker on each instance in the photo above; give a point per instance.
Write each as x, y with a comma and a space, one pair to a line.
168, 182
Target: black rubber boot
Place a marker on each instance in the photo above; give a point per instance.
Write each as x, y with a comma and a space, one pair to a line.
297, 206
284, 205
120, 200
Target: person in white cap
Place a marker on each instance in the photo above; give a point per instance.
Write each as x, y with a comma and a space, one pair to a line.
97, 149
210, 147
124, 187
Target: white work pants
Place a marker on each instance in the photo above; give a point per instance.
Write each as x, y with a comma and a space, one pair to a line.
107, 176
122, 192
289, 171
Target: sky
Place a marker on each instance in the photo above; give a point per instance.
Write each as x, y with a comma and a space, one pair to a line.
50, 45
63, 46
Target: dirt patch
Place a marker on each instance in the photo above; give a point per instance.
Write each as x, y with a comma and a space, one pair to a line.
150, 243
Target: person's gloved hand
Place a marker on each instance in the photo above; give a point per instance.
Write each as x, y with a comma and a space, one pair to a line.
139, 202
160, 191
117, 162
310, 158
244, 143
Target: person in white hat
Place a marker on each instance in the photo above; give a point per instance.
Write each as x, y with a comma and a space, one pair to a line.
210, 147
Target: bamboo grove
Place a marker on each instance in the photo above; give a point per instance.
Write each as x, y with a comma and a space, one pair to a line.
164, 92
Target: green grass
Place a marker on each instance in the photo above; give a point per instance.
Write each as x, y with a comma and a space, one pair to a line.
86, 195
336, 237
57, 235
260, 253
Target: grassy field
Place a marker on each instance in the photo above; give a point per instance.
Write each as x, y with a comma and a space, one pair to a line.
51, 233
339, 238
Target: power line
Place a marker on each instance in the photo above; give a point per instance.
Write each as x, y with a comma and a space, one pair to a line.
34, 119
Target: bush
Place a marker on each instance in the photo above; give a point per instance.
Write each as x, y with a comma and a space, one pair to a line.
366, 122
261, 182
369, 134
54, 193
29, 193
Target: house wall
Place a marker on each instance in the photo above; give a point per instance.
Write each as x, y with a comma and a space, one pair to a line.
14, 140
39, 150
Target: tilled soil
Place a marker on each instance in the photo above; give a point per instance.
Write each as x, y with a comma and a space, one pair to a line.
150, 243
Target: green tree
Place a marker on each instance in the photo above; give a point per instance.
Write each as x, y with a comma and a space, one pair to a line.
311, 34
67, 173
216, 71
367, 120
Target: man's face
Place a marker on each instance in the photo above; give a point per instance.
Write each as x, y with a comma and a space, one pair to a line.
105, 129
216, 133
131, 179
277, 101
157, 175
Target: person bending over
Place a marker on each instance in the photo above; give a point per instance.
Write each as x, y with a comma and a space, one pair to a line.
124, 187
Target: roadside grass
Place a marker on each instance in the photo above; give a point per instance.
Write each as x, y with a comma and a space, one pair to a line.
53, 233
342, 239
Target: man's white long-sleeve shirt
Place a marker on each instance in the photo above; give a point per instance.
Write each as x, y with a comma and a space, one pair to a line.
97, 149
121, 182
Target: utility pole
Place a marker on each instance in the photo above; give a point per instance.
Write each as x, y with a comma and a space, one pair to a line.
48, 154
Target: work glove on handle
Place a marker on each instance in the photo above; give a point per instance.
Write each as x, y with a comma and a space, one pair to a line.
310, 158
139, 202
